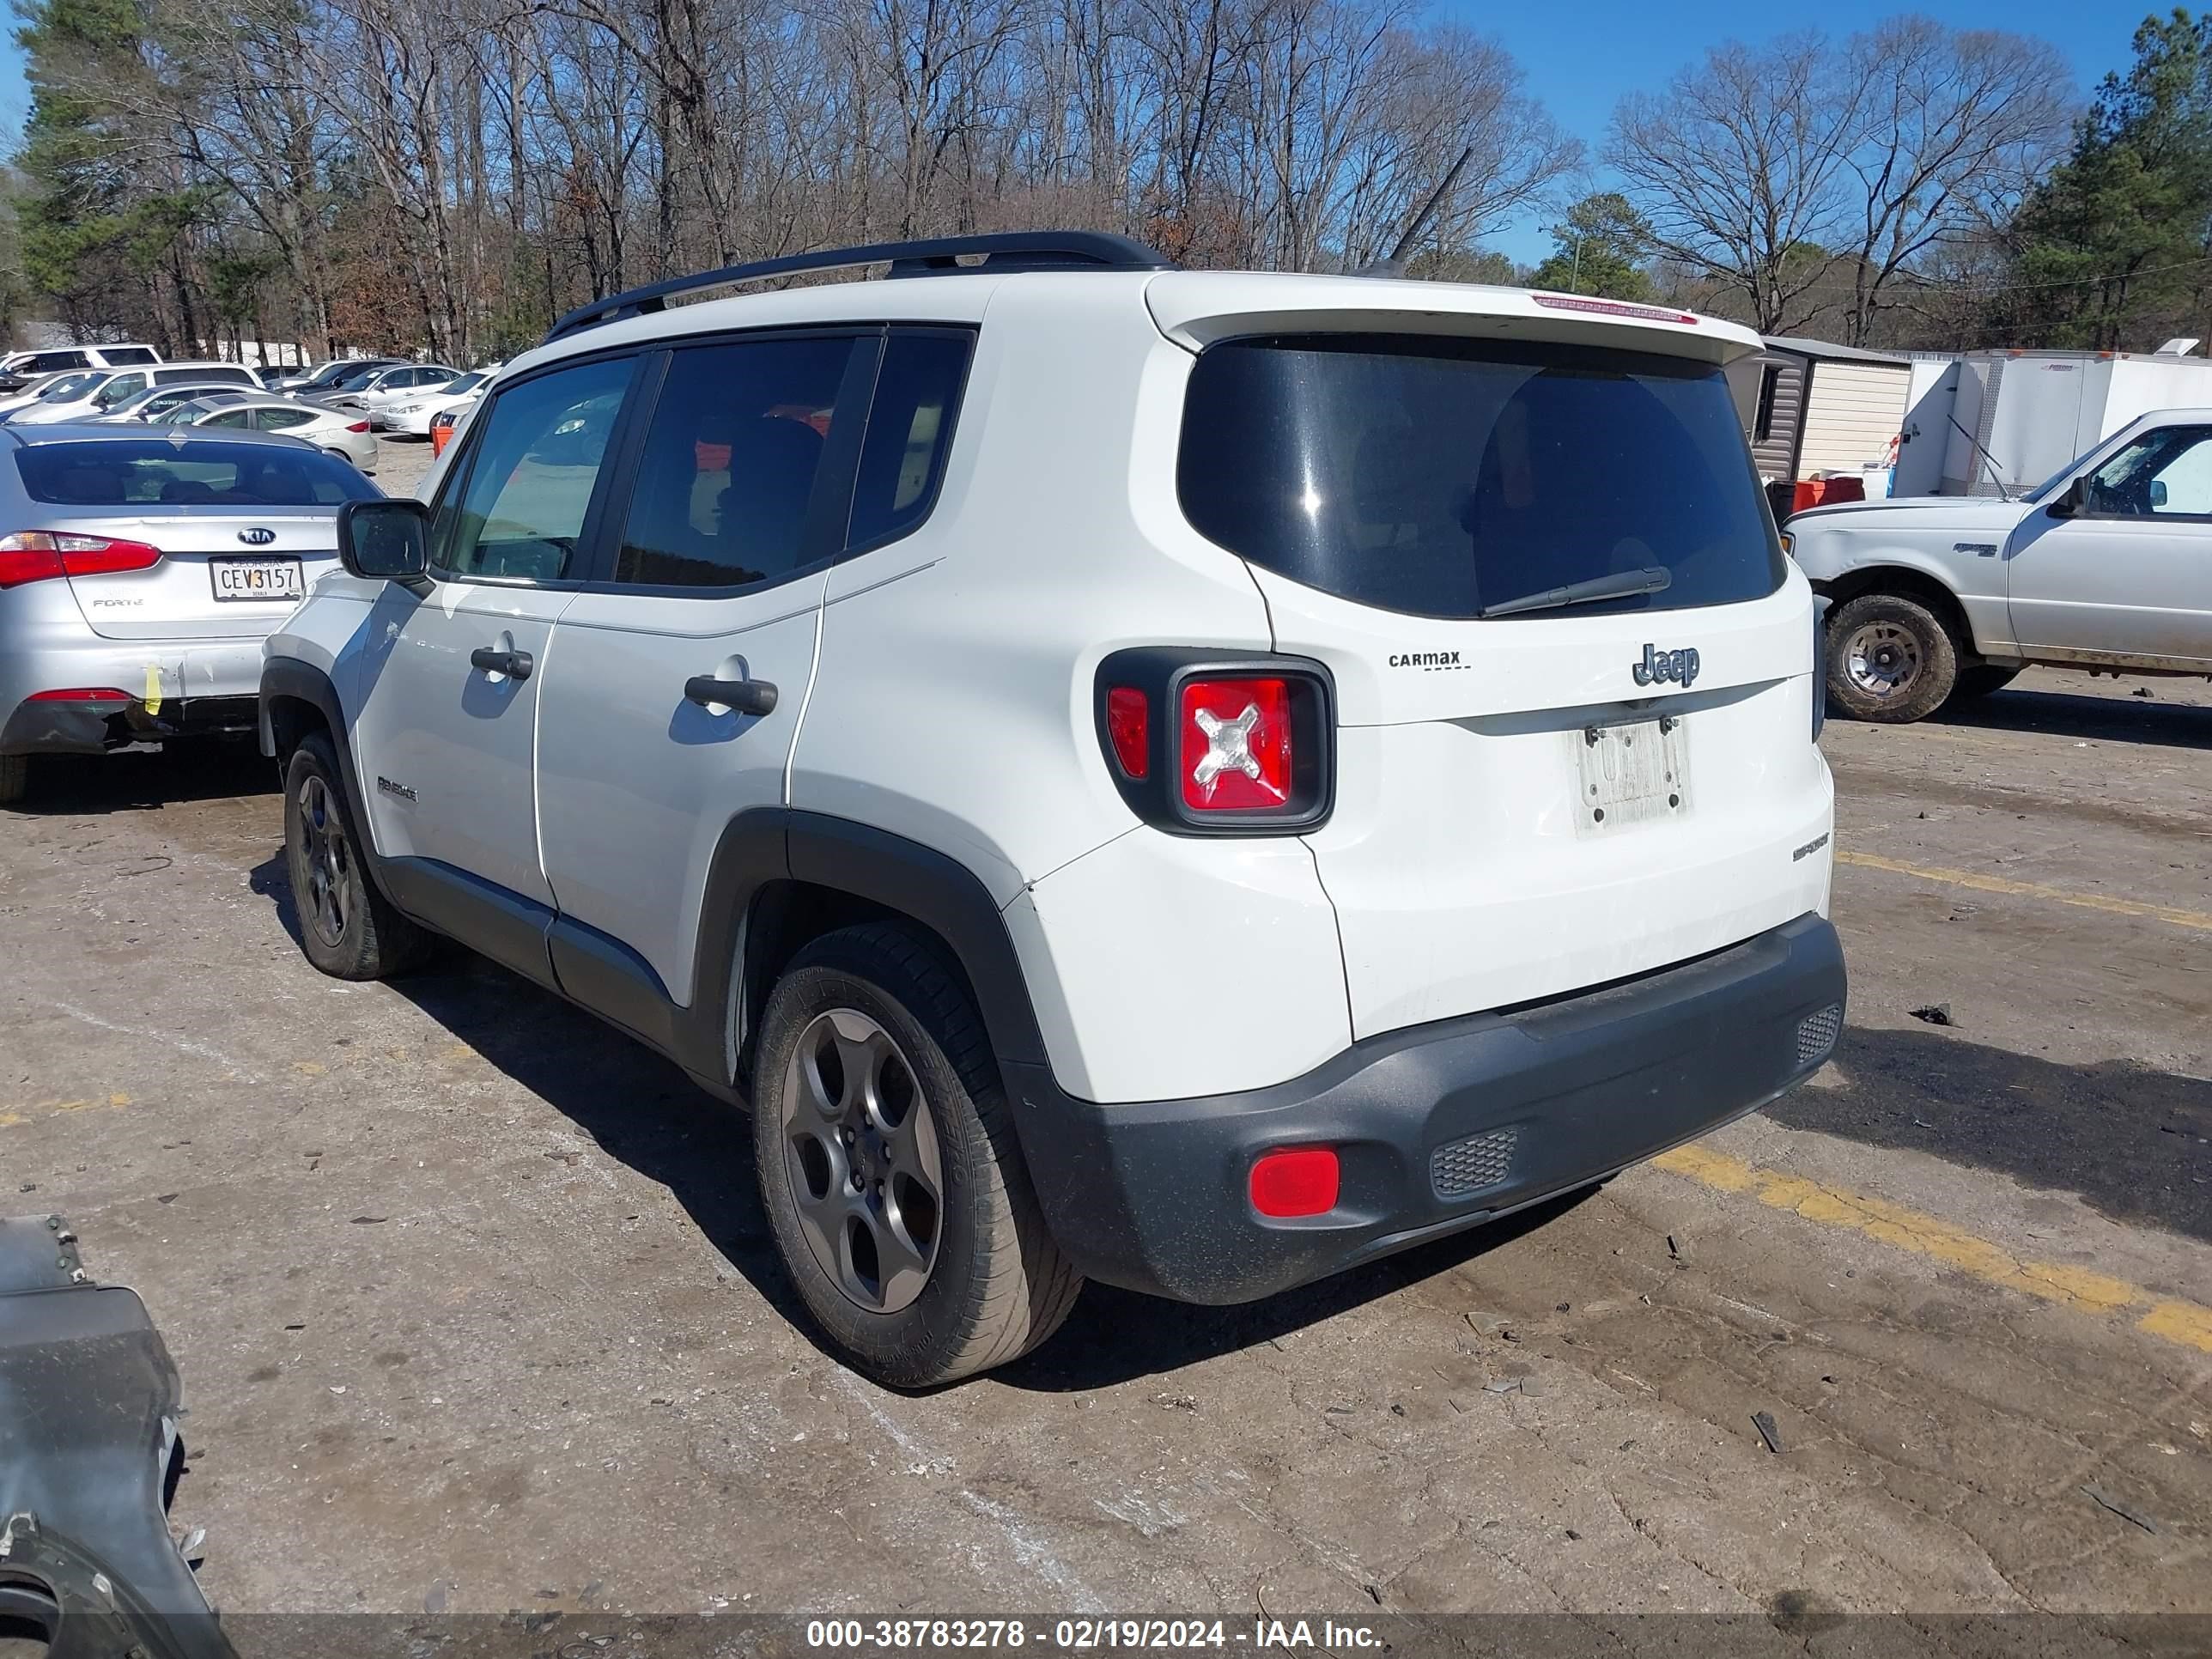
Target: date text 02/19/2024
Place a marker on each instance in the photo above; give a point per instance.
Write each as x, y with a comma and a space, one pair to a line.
1085, 1634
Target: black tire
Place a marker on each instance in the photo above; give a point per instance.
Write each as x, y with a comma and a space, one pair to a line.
347, 927
1889, 659
14, 778
994, 1283
1982, 678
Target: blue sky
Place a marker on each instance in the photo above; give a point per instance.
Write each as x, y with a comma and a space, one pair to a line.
1581, 58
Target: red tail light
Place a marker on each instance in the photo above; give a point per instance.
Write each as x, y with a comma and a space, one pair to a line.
33, 555
1129, 723
357, 426
1296, 1181
1236, 744
81, 693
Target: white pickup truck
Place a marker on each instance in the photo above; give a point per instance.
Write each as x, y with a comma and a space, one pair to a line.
2107, 565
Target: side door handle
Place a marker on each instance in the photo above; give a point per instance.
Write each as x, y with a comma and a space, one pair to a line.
515, 665
746, 696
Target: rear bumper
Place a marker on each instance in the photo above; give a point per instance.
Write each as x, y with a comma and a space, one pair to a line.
1437, 1128
205, 688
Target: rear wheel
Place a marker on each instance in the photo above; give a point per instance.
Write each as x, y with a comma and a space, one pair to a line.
346, 929
14, 778
894, 1187
1889, 659
1983, 679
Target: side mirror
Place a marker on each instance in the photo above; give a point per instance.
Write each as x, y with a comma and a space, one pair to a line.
2157, 493
2068, 500
386, 541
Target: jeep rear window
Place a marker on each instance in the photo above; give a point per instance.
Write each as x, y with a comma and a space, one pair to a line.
1435, 477
195, 474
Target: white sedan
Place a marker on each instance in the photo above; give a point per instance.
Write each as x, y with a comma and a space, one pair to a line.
401, 384
336, 432
413, 416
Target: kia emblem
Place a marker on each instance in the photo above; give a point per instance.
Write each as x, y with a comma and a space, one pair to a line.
256, 537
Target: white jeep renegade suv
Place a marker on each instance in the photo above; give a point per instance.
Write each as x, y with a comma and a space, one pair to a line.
1193, 779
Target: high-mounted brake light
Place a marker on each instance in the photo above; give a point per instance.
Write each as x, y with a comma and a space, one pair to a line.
1236, 744
1128, 726
81, 693
33, 555
1613, 308
1296, 1181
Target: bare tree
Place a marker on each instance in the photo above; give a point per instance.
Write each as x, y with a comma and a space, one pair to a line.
1739, 163
1954, 123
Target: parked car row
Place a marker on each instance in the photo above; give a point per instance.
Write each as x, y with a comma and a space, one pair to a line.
131, 383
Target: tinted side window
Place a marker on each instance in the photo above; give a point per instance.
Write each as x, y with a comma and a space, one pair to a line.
728, 472
531, 476
277, 420
909, 433
120, 354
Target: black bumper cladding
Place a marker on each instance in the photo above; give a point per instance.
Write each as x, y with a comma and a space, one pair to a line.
1436, 1128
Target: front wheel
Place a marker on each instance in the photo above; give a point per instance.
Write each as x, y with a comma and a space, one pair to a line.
347, 927
894, 1187
1889, 659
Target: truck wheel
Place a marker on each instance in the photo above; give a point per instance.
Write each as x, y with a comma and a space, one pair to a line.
1982, 679
888, 1167
14, 778
1890, 658
346, 927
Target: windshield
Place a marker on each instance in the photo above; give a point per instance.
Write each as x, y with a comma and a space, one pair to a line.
69, 386
202, 473
2060, 477
1439, 477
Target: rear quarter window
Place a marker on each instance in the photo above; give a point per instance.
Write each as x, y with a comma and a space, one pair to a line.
1435, 477
157, 473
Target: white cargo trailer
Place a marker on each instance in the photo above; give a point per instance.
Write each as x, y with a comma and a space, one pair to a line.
1999, 422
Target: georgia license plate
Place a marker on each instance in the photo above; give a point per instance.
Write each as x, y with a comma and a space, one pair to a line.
1631, 774
256, 579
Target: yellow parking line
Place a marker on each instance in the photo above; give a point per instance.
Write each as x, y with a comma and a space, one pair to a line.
1981, 884
2174, 1321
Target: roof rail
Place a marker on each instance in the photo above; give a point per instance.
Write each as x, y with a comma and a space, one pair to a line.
1018, 250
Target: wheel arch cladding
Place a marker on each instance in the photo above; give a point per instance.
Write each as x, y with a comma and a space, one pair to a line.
297, 700
1906, 583
780, 879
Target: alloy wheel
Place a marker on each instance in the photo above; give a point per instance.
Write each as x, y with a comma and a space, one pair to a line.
1882, 659
861, 1156
329, 861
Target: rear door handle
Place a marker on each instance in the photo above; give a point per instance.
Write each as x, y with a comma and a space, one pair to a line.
746, 696
515, 665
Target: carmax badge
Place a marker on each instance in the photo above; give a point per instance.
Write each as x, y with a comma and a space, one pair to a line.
1659, 667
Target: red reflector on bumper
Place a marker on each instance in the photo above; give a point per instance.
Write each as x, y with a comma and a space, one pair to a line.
1298, 1180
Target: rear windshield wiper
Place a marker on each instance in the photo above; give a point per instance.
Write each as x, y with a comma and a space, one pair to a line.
1621, 584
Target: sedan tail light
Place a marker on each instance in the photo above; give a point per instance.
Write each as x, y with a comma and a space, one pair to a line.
357, 426
33, 555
